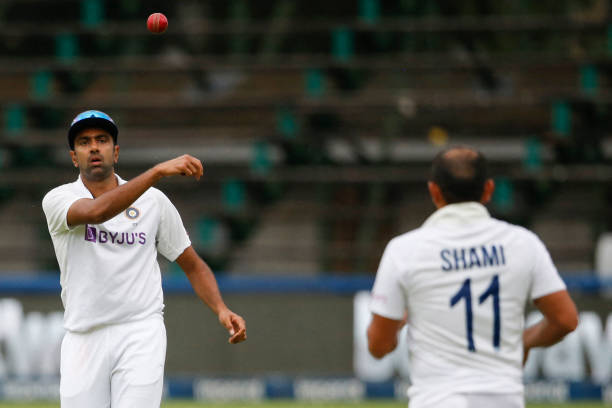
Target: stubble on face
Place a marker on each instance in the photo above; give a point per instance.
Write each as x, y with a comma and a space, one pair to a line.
97, 172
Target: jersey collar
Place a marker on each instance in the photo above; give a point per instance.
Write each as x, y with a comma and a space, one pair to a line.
458, 214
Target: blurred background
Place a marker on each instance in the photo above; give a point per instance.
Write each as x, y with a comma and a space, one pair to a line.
316, 122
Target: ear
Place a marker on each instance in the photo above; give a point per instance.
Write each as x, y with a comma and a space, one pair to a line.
436, 194
487, 191
116, 154
74, 158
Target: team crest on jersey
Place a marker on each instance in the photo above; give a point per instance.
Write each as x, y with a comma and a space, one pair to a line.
132, 213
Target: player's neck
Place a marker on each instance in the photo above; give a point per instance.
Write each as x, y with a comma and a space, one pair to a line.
99, 187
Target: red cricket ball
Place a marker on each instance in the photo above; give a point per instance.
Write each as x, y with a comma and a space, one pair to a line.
157, 23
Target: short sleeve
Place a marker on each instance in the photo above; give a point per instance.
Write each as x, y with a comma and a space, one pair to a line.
172, 238
388, 299
56, 204
546, 278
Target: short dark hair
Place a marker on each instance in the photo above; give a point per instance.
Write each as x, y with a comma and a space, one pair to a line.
461, 173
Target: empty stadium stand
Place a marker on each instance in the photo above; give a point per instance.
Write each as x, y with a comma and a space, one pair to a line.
315, 120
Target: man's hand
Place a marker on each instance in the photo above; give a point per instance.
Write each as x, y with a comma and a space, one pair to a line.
234, 324
185, 165
526, 350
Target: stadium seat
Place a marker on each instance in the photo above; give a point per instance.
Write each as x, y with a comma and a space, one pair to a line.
603, 258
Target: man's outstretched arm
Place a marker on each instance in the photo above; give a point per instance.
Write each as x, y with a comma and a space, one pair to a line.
111, 203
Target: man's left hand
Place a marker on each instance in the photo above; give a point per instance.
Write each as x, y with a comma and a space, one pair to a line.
235, 325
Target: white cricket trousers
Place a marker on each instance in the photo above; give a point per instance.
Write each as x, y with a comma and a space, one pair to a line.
118, 366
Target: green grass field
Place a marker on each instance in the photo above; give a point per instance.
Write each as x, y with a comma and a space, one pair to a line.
291, 404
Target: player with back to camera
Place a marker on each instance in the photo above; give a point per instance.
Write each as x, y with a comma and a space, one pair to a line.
106, 234
461, 282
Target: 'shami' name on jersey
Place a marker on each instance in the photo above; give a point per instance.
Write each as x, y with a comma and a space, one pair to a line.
482, 256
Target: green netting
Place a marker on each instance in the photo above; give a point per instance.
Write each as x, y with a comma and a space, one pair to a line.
533, 154
206, 231
286, 123
233, 195
314, 82
369, 10
66, 47
503, 197
14, 119
41, 84
261, 161
342, 44
589, 81
561, 118
92, 12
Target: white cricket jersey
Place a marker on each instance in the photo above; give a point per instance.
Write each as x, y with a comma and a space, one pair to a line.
109, 272
464, 279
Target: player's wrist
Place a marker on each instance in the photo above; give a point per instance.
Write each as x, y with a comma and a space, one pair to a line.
221, 310
157, 172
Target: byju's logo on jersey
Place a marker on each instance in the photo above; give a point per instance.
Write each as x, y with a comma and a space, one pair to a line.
90, 234
103, 237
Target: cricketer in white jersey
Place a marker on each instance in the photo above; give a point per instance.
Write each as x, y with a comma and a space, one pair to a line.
107, 233
123, 283
462, 282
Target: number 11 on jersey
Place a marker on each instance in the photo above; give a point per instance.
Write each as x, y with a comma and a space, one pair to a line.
465, 292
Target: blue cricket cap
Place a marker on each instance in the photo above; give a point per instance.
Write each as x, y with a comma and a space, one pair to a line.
91, 119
